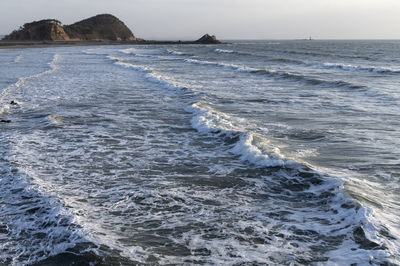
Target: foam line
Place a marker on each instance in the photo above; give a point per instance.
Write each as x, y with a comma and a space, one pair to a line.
284, 75
21, 81
346, 67
150, 75
222, 51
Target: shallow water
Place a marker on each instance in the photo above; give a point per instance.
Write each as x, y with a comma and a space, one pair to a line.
249, 152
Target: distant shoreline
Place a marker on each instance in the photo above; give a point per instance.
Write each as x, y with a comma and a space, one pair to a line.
41, 44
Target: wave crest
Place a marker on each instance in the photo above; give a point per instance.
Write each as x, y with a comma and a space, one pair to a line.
248, 146
222, 51
359, 68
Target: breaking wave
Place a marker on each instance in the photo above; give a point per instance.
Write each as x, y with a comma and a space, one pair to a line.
5, 107
135, 52
150, 74
221, 64
336, 219
222, 51
358, 68
29, 213
174, 52
347, 220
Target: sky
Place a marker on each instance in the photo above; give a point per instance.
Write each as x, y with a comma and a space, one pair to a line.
227, 19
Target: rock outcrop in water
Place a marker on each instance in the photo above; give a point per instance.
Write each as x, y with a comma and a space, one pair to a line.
208, 39
100, 27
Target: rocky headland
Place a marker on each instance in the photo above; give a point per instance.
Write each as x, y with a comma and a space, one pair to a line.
100, 29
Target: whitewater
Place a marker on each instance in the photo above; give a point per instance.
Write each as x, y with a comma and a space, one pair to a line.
244, 153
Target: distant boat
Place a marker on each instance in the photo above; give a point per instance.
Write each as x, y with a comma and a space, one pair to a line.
310, 39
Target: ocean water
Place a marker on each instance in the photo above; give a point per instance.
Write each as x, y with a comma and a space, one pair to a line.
245, 153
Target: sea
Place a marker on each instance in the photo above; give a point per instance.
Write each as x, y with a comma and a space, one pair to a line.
243, 153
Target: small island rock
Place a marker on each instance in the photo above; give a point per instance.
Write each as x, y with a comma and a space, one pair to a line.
208, 39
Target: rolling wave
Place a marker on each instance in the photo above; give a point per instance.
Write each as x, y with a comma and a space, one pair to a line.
269, 209
279, 74
289, 76
269, 58
334, 214
134, 52
174, 52
221, 64
208, 120
223, 51
150, 75
346, 219
119, 62
359, 68
128, 51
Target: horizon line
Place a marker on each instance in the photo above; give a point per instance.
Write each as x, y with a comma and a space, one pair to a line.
268, 39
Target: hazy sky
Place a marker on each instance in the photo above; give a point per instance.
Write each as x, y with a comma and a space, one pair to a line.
228, 19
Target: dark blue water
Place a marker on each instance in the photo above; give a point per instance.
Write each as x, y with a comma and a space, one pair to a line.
264, 152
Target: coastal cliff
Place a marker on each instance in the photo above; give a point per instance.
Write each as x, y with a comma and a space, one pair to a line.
47, 29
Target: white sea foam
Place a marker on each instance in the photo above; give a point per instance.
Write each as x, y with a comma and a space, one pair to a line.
348, 252
248, 150
140, 181
276, 73
88, 51
222, 64
146, 56
95, 51
208, 120
5, 107
151, 74
347, 67
136, 52
222, 51
38, 225
128, 51
18, 58
175, 52
257, 150
134, 67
